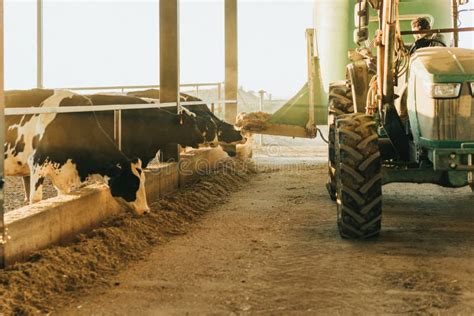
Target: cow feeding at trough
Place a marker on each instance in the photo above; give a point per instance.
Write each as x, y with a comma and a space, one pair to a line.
70, 148
146, 131
206, 125
227, 134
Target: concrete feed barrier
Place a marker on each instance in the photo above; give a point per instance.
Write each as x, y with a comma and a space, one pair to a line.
161, 180
58, 220
197, 163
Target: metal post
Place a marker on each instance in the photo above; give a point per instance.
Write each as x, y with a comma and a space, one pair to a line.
197, 91
389, 42
470, 178
39, 44
231, 53
311, 53
2, 141
381, 54
260, 108
118, 128
219, 98
169, 63
455, 15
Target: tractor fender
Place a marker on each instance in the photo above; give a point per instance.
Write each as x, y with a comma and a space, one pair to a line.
358, 74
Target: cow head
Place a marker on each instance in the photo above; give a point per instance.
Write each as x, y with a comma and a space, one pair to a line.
190, 130
127, 182
229, 135
208, 130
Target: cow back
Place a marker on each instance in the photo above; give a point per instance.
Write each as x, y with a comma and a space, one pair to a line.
150, 93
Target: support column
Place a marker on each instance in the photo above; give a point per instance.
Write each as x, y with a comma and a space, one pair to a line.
231, 60
2, 141
39, 44
169, 62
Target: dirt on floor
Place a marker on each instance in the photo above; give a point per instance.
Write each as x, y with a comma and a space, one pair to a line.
273, 249
51, 278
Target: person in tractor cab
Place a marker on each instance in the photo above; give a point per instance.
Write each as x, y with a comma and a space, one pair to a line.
424, 40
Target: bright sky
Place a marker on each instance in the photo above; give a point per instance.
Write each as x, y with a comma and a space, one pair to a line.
115, 42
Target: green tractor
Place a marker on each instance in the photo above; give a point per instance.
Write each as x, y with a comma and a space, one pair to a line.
397, 118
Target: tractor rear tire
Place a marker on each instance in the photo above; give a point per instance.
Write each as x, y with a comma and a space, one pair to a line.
340, 103
359, 177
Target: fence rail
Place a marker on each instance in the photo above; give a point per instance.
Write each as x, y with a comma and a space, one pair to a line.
123, 88
219, 101
205, 84
117, 108
96, 108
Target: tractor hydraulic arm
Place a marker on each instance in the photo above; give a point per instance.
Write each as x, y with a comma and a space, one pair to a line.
385, 78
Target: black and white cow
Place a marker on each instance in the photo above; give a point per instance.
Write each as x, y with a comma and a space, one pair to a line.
146, 131
68, 148
227, 134
205, 124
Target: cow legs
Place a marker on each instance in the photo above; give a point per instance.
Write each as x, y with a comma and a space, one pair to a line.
65, 178
36, 182
26, 187
36, 188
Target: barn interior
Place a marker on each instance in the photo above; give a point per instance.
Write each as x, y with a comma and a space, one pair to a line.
350, 192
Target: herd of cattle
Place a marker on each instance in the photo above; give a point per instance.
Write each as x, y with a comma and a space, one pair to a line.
70, 148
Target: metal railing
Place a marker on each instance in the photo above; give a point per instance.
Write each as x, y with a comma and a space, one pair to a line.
130, 87
213, 102
96, 108
123, 89
117, 108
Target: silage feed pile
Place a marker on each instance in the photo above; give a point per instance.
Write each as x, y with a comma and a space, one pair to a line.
252, 122
52, 277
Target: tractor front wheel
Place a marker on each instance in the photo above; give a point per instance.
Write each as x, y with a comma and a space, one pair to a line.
359, 177
340, 102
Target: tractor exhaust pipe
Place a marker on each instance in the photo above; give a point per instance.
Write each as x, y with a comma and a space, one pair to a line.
455, 15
